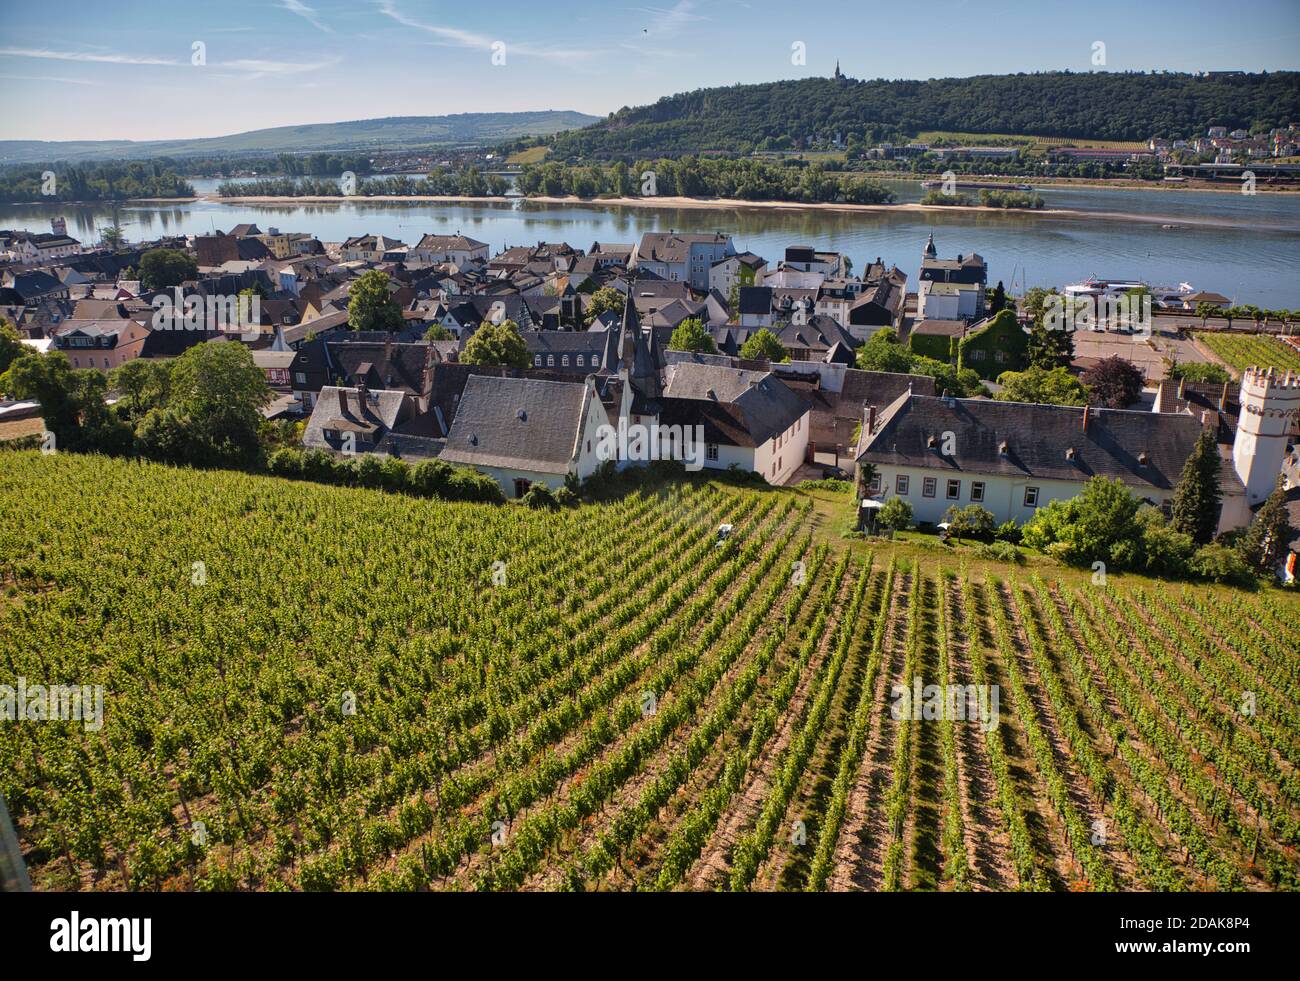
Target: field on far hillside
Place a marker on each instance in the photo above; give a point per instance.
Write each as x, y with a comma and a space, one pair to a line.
320, 688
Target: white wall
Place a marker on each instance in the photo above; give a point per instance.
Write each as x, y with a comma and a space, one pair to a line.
1004, 496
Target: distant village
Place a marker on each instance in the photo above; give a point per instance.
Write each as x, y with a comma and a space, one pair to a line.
598, 325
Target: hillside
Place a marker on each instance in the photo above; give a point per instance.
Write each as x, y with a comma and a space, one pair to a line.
1097, 105
310, 687
395, 132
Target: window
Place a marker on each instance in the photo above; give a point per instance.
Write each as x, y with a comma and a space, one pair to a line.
928, 485
300, 378
999, 357
537, 360
977, 355
564, 360
954, 489
1031, 497
904, 484
521, 486
711, 451
977, 491
550, 361
581, 362
874, 487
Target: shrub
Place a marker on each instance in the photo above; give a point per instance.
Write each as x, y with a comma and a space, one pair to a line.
1219, 563
896, 514
285, 462
972, 521
1008, 531
539, 497
319, 466
1002, 551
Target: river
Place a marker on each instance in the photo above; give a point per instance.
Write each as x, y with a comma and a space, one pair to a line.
1251, 256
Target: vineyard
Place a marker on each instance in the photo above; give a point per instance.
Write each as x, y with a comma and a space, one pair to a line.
1242, 351
321, 688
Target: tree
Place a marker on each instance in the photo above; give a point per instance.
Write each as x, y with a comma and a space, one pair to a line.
1195, 509
11, 345
161, 269
604, 299
691, 336
764, 346
1269, 534
1099, 525
1055, 387
895, 514
142, 383
112, 235
998, 299
212, 413
1206, 310
883, 352
972, 521
497, 344
438, 333
370, 304
72, 402
960, 383
1115, 383
1050, 347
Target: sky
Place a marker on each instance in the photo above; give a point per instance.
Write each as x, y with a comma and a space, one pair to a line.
154, 69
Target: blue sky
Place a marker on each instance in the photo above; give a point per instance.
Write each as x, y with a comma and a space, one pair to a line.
85, 69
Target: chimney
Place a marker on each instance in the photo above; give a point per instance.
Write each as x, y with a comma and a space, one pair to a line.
1205, 418
1182, 386
1085, 418
1223, 398
343, 401
388, 347
871, 419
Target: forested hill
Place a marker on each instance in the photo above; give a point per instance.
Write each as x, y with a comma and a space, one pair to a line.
1095, 105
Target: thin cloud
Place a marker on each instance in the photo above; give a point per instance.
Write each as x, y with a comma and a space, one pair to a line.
458, 37
260, 67
107, 59
306, 13
49, 78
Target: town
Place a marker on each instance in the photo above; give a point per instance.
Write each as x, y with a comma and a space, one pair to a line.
523, 365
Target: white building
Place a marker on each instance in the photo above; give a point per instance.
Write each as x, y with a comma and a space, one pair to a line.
949, 301
1013, 458
681, 258
459, 250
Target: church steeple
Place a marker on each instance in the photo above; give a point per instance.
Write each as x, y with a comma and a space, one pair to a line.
930, 251
838, 75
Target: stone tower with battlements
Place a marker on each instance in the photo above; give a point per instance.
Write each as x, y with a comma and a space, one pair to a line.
1270, 404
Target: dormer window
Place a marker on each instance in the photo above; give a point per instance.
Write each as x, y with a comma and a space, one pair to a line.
932, 442
1003, 448
1069, 452
1143, 459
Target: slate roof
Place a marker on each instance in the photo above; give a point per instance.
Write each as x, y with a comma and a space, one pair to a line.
755, 300
379, 413
517, 423
765, 405
821, 333
1037, 439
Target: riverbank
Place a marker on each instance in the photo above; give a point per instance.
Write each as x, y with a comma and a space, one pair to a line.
731, 204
